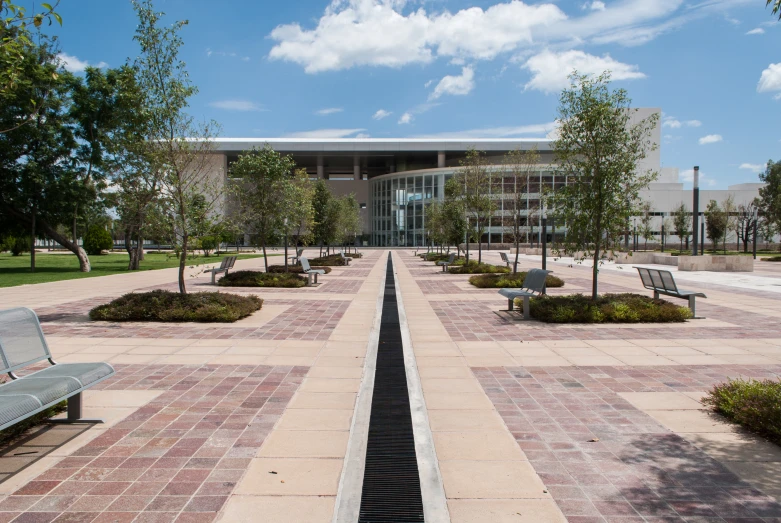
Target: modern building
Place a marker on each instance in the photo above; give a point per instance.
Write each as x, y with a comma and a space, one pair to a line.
395, 179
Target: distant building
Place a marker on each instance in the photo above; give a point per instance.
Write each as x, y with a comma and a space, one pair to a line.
395, 179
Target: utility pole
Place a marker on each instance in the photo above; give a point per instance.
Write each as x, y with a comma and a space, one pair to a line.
696, 208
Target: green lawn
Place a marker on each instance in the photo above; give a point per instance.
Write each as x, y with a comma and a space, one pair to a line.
15, 270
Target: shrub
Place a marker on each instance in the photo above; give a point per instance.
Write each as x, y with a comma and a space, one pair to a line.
332, 260
208, 244
97, 240
16, 244
608, 308
504, 281
434, 257
772, 259
172, 306
262, 279
295, 269
476, 268
756, 405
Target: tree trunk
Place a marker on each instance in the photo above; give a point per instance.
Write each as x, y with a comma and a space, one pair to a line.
75, 217
140, 249
32, 242
182, 263
51, 232
595, 272
263, 243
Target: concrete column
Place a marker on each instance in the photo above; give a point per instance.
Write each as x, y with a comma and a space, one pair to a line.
357, 167
320, 167
441, 159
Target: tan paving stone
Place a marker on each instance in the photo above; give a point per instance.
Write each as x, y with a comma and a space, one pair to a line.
445, 372
469, 385
311, 384
456, 420
335, 372
736, 446
305, 444
491, 480
316, 419
480, 446
279, 509
457, 400
661, 401
504, 511
323, 400
331, 361
294, 477
766, 476
682, 421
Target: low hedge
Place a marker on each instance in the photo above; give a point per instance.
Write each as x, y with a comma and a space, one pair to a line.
476, 268
262, 279
772, 259
171, 306
755, 405
435, 257
332, 260
504, 281
295, 269
608, 308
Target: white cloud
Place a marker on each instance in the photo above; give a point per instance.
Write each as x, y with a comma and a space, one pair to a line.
674, 123
770, 80
757, 31
755, 167
711, 138
596, 5
74, 65
405, 118
551, 69
380, 114
496, 132
687, 176
326, 133
455, 85
236, 105
329, 110
363, 135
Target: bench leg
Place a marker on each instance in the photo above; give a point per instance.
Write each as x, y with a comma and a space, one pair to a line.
74, 412
526, 313
656, 295
510, 304
214, 275
692, 306
309, 279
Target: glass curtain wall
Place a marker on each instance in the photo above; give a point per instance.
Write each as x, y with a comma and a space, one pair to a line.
399, 204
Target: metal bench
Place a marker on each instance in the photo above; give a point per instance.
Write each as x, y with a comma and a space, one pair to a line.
22, 345
533, 285
662, 282
505, 259
345, 258
294, 259
225, 266
309, 271
446, 264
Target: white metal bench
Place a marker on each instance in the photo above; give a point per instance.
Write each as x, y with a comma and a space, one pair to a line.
22, 344
505, 259
662, 282
345, 258
294, 259
225, 266
533, 285
310, 272
446, 264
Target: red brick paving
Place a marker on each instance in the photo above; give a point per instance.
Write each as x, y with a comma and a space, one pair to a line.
637, 470
176, 459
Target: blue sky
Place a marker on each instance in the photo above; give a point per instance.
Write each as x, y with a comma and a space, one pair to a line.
408, 68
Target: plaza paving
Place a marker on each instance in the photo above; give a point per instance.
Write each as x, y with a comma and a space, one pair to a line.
531, 423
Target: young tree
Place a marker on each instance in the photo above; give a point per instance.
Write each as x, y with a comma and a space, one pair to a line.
519, 166
265, 176
472, 187
681, 223
599, 151
747, 222
646, 218
348, 223
730, 219
177, 143
766, 231
770, 194
297, 213
323, 223
715, 223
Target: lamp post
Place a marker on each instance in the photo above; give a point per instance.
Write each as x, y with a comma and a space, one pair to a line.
634, 233
662, 238
285, 244
756, 221
544, 240
696, 208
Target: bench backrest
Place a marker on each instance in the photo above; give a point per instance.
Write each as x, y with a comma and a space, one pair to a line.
21, 339
299, 252
451, 258
231, 262
504, 257
657, 279
305, 264
535, 280
224, 262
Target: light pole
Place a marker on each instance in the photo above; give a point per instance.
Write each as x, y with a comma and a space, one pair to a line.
285, 244
634, 233
544, 239
696, 208
756, 221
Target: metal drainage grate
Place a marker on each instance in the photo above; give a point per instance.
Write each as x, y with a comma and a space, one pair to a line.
391, 482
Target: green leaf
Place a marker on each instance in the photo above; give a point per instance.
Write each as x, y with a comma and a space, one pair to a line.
58, 18
46, 6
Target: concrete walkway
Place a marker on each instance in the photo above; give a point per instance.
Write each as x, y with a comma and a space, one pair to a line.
530, 422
